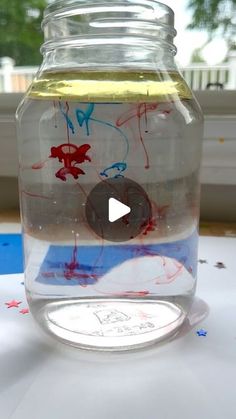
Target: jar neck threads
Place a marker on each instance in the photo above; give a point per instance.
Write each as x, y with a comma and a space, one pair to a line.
92, 33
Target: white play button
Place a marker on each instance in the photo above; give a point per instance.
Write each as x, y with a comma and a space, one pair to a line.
117, 210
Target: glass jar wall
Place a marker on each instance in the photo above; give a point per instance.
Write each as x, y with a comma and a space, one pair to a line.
109, 116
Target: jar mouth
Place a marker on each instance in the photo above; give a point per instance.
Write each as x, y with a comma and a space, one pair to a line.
63, 6
69, 18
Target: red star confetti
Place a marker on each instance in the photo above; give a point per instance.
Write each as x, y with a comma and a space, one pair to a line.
24, 311
13, 303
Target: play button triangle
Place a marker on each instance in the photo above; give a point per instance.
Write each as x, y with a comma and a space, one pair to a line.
117, 210
110, 201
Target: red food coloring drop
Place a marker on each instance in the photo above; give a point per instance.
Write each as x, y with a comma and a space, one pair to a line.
70, 155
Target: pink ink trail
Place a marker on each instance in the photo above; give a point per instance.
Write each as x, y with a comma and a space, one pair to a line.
39, 165
70, 272
141, 110
135, 293
102, 240
150, 227
143, 315
32, 195
143, 293
160, 213
55, 113
172, 270
73, 265
137, 112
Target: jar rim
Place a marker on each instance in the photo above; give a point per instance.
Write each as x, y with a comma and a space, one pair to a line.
60, 6
67, 19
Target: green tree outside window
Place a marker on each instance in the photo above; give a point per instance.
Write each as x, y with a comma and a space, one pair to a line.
20, 30
21, 35
217, 17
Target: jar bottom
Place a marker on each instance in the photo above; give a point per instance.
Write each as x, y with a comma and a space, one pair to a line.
110, 324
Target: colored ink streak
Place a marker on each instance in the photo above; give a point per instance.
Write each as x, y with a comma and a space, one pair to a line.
39, 165
145, 251
73, 265
137, 112
160, 213
120, 167
128, 294
53, 266
141, 110
135, 293
70, 155
55, 113
69, 123
83, 278
85, 116
172, 270
150, 227
32, 195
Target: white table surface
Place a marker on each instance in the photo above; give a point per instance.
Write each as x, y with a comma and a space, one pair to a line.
190, 377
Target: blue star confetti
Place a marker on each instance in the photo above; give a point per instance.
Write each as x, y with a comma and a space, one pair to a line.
201, 332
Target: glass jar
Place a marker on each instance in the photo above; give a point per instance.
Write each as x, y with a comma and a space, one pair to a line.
110, 140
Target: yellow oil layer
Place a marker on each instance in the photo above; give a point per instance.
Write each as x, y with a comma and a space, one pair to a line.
113, 86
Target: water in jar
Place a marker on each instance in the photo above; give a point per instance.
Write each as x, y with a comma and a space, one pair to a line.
77, 129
